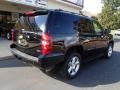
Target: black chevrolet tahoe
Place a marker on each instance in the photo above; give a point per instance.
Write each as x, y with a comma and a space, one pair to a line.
51, 38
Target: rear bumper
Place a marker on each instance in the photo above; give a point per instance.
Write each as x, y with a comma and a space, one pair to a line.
21, 55
43, 61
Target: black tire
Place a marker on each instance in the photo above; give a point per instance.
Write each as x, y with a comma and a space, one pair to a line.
64, 70
8, 36
109, 51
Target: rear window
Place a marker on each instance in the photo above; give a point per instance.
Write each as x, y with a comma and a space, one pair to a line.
32, 23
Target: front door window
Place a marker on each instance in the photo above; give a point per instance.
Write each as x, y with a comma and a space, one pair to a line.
97, 28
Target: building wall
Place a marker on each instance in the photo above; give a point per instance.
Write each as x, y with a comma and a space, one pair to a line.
53, 4
6, 6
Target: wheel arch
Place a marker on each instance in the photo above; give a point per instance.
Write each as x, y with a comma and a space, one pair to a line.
78, 49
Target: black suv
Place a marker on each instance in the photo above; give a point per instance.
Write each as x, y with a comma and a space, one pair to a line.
51, 38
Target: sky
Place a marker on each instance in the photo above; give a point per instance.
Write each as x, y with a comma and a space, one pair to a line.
92, 6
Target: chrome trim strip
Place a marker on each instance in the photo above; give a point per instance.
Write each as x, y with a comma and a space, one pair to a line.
23, 55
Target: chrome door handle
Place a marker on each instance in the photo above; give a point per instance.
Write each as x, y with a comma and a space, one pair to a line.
86, 41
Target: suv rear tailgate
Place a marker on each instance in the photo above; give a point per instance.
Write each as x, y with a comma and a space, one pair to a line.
28, 32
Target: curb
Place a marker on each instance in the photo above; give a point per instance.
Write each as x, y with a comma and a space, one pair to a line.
6, 58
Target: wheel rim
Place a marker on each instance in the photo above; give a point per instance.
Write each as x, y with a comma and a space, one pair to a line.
73, 65
8, 36
110, 50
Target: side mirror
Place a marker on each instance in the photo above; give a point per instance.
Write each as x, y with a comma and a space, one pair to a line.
107, 31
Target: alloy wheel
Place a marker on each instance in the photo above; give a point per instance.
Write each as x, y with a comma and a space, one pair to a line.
73, 65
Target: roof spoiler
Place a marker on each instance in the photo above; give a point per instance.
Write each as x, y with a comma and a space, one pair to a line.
35, 13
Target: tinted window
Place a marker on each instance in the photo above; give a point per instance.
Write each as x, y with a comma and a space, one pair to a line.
32, 23
61, 23
97, 28
85, 26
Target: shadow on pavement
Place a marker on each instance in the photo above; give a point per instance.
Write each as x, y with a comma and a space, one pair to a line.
94, 73
98, 72
12, 63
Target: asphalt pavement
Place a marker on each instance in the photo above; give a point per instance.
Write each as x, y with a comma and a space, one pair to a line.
101, 74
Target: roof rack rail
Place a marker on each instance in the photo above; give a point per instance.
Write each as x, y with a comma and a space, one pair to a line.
67, 11
59, 10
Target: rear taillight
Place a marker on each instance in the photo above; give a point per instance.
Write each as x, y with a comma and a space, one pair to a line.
12, 36
46, 44
31, 13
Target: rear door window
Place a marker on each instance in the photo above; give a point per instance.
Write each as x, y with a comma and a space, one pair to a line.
85, 26
62, 23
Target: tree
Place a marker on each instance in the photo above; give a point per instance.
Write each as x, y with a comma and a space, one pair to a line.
110, 16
